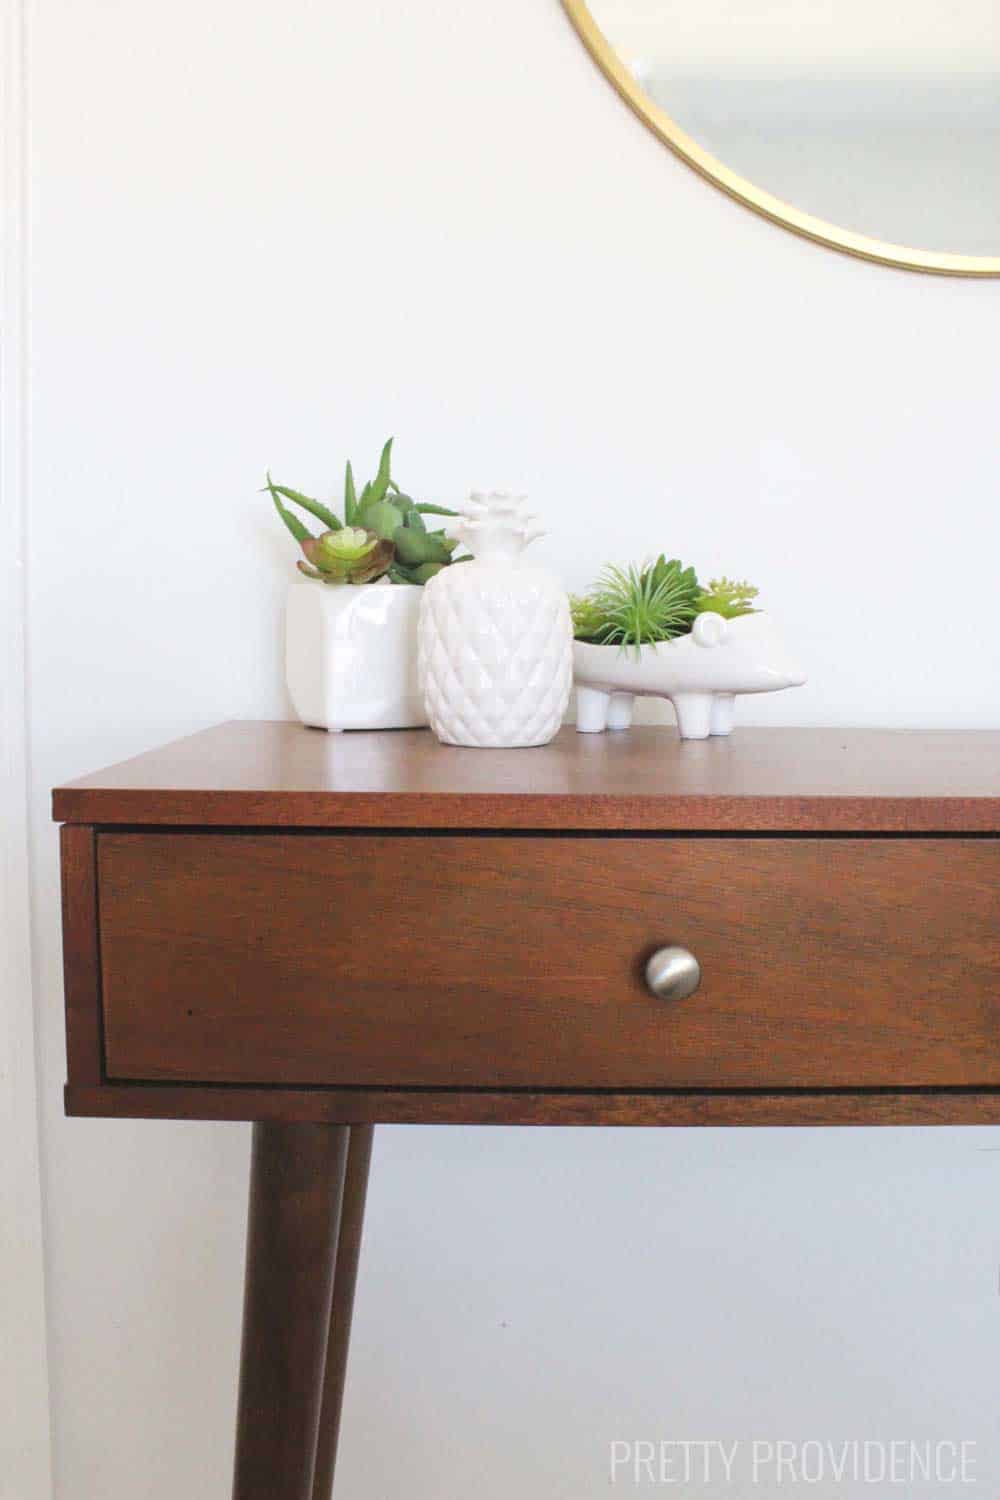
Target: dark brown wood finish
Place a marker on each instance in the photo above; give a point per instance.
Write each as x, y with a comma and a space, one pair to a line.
81, 958
517, 962
524, 1107
814, 780
352, 1220
296, 1186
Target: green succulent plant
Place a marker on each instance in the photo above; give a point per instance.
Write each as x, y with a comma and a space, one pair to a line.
350, 555
589, 620
637, 606
397, 541
728, 597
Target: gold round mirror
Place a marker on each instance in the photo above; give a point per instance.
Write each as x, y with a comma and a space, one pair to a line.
872, 126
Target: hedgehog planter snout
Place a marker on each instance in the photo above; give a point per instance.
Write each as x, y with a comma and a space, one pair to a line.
701, 673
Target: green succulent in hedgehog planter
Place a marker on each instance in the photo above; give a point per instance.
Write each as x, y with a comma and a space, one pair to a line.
728, 598
638, 606
389, 536
655, 632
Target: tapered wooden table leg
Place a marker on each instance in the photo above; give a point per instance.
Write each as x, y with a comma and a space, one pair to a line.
296, 1188
345, 1280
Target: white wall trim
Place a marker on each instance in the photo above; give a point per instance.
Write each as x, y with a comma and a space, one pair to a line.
25, 1429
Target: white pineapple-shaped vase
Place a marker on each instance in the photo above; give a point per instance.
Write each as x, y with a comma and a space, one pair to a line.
495, 642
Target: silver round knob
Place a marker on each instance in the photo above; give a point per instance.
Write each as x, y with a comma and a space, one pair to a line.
673, 973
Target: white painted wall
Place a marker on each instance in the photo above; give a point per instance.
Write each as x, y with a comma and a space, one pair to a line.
270, 234
879, 36
25, 1447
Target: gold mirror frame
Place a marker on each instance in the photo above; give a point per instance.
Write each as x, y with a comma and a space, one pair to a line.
671, 134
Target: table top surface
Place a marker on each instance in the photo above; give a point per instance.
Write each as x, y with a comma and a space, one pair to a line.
282, 775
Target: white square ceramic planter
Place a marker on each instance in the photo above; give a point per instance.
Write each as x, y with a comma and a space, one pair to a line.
351, 655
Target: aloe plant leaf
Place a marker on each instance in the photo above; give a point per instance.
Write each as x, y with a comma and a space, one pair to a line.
380, 484
427, 509
350, 496
314, 507
383, 476
295, 526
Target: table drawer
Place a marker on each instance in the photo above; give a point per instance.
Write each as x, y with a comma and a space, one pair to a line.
517, 961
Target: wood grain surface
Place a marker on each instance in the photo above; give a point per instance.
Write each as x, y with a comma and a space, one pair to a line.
246, 774
470, 962
151, 1101
296, 1188
81, 959
352, 1219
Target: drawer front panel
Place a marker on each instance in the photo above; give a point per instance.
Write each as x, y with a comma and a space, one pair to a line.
517, 962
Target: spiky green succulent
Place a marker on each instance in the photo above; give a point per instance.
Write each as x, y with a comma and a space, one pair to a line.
401, 547
635, 606
728, 597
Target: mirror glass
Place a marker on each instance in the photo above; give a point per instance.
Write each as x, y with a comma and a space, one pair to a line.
881, 117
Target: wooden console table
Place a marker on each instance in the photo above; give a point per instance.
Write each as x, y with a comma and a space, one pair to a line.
321, 932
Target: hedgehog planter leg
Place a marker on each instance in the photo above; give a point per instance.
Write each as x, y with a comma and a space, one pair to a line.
592, 709
723, 713
694, 714
620, 710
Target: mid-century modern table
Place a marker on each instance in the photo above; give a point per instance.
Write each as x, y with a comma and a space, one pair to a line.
319, 933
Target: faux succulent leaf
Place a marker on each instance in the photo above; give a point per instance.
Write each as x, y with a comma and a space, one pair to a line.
349, 555
426, 509
588, 618
295, 526
416, 547
374, 565
728, 597
348, 545
314, 552
314, 507
380, 516
441, 548
350, 496
378, 487
413, 520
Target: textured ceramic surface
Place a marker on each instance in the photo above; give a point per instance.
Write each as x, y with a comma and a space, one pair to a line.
700, 673
496, 658
351, 655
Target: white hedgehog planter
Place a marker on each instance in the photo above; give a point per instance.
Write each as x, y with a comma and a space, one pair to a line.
701, 673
